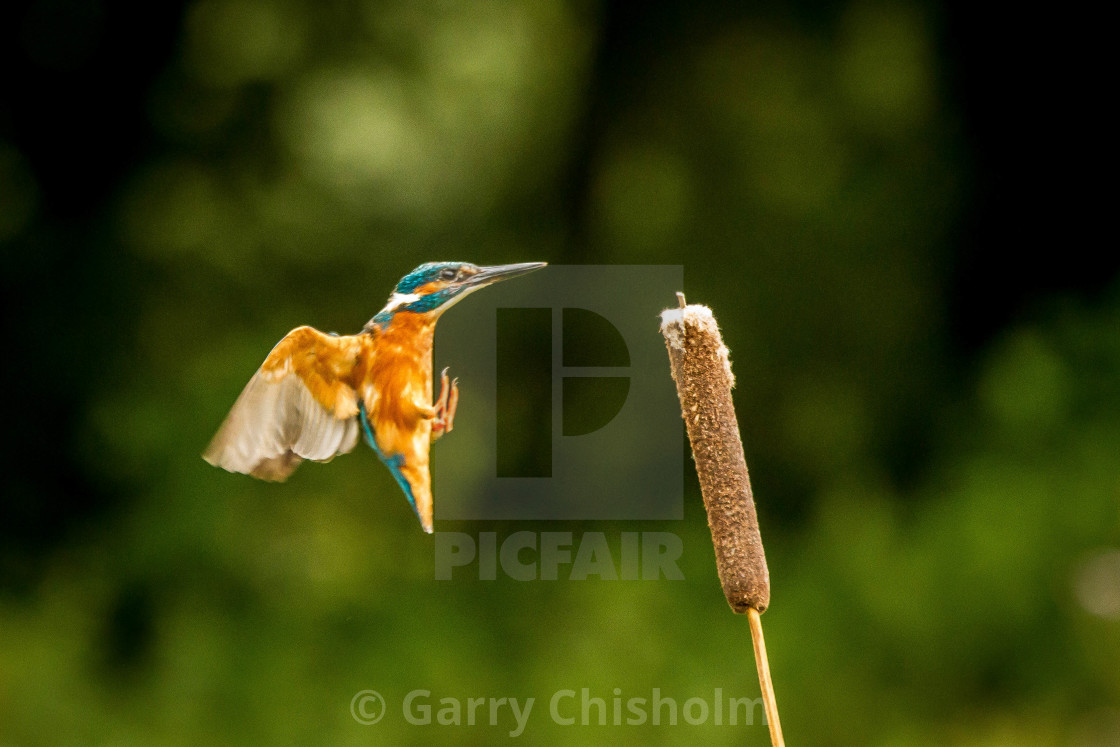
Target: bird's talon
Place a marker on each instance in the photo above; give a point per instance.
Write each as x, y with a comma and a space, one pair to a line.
445, 406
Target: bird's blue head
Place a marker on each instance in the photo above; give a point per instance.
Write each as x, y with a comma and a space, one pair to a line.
434, 287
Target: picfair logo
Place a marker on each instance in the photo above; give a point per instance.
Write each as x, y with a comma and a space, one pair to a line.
567, 409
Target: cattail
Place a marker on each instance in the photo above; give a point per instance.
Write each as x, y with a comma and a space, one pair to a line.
702, 371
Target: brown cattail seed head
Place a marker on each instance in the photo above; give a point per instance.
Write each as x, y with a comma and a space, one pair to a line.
702, 371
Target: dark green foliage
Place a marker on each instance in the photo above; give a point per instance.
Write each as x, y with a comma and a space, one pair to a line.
932, 426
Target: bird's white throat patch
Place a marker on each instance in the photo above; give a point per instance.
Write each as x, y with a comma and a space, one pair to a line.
398, 300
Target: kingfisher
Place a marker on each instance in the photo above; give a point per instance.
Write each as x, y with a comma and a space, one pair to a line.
316, 392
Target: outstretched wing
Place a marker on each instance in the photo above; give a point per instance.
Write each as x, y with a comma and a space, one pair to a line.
301, 404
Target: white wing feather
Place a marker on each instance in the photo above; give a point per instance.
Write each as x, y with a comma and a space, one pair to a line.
274, 425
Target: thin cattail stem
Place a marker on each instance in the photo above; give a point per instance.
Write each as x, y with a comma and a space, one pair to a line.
769, 702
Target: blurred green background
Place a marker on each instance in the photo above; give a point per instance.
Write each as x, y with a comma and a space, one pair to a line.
884, 202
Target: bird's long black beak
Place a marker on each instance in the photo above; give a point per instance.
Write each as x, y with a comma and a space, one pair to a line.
494, 273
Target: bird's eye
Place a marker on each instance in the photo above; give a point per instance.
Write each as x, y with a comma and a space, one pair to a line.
448, 273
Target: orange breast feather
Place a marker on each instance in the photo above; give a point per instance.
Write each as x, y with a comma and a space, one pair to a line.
398, 395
